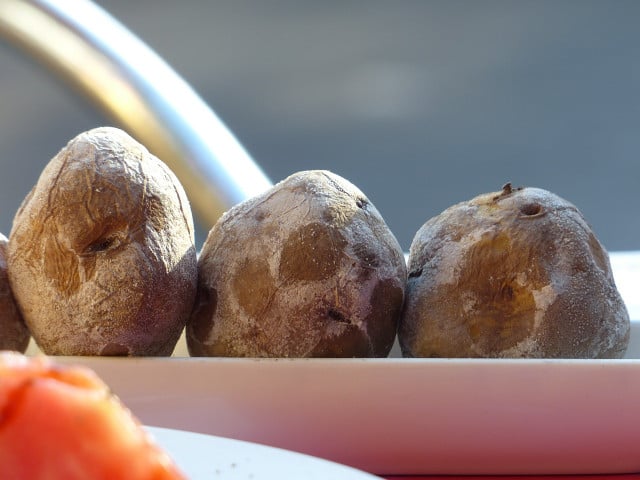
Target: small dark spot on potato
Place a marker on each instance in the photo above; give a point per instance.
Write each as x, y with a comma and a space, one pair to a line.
260, 215
415, 273
361, 202
337, 315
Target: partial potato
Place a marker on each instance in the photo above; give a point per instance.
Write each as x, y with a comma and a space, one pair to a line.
517, 273
307, 269
14, 334
101, 254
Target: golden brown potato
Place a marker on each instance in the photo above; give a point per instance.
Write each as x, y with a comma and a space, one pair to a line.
517, 273
307, 269
14, 334
101, 254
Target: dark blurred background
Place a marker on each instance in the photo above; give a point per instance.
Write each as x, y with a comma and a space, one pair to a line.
421, 104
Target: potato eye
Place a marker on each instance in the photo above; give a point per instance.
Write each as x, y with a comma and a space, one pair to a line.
530, 209
103, 244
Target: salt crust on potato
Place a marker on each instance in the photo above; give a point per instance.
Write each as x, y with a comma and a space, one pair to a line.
101, 254
517, 273
307, 269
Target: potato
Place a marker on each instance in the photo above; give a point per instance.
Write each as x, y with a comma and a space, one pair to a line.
101, 253
14, 334
517, 273
307, 269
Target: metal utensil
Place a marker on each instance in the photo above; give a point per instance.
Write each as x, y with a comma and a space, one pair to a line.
134, 86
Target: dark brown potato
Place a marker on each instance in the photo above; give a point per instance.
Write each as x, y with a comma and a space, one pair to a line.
517, 273
14, 334
308, 269
101, 254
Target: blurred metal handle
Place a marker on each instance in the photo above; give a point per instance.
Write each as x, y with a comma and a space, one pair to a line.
135, 87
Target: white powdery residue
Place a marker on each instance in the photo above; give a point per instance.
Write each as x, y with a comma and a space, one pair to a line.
468, 301
447, 261
543, 298
361, 310
619, 325
286, 216
523, 349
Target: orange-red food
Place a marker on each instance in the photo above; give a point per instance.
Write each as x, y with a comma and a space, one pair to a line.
62, 422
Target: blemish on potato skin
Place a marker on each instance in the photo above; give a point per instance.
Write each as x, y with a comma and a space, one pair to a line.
253, 286
87, 209
311, 252
505, 309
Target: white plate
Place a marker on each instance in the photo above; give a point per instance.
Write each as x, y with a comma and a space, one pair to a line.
408, 416
401, 416
205, 457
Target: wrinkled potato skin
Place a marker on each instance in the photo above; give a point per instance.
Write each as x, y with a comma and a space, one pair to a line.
517, 273
14, 334
101, 254
308, 269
